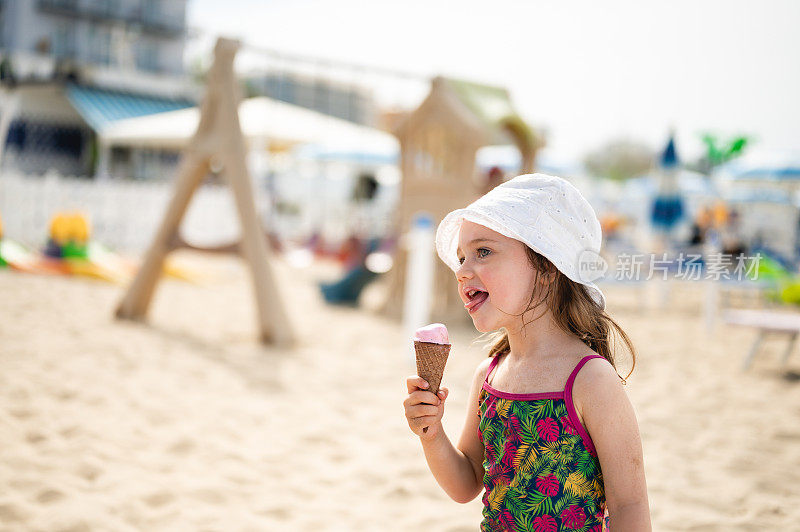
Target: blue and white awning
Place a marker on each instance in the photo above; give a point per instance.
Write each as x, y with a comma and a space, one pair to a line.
101, 107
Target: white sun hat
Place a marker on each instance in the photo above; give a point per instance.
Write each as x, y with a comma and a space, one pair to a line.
545, 212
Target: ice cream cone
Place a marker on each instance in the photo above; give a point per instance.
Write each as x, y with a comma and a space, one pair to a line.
431, 359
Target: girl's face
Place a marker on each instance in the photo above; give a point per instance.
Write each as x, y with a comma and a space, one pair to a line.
496, 264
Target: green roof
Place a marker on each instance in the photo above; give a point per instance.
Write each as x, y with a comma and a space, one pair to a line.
492, 105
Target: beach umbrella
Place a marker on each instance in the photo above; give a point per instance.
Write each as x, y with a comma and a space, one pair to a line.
667, 208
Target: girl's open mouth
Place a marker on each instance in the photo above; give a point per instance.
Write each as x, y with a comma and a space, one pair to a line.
477, 300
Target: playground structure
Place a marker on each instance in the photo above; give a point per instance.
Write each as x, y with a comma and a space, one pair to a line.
218, 141
438, 146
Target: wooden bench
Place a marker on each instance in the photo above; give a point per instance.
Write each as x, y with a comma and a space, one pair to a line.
766, 322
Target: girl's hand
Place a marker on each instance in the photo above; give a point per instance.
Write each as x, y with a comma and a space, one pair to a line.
424, 410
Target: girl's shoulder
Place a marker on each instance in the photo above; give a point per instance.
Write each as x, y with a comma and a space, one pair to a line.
486, 362
481, 371
483, 366
595, 376
595, 371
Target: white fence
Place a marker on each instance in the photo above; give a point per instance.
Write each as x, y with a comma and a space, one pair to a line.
124, 215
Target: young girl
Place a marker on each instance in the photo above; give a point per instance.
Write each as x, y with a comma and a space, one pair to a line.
550, 433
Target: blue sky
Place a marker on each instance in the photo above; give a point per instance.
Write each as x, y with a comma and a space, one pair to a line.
587, 71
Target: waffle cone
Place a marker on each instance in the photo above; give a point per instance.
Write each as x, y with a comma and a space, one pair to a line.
431, 359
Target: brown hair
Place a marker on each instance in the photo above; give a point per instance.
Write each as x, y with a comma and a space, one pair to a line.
573, 310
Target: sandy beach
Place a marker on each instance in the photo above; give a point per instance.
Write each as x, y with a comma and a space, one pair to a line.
187, 423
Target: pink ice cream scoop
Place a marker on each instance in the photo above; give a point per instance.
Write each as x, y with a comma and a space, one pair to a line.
435, 333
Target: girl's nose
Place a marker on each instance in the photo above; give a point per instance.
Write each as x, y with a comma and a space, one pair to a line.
463, 272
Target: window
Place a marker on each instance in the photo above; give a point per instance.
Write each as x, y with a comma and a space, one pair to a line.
147, 56
99, 45
64, 40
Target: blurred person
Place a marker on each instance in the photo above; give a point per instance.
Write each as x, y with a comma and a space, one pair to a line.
352, 252
719, 214
316, 243
494, 177
731, 236
700, 224
610, 225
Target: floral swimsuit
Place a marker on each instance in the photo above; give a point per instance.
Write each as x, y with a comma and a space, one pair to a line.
542, 473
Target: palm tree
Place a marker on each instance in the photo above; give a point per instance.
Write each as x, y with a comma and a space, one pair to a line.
717, 153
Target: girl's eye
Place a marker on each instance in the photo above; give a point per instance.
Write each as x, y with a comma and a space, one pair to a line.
461, 259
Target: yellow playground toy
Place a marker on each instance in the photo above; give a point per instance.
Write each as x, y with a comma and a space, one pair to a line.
71, 251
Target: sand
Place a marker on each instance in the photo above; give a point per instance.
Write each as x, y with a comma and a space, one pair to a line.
187, 423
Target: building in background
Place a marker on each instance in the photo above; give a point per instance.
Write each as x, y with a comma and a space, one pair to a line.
334, 98
69, 68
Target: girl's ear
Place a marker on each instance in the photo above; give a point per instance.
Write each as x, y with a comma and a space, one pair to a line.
548, 276
553, 273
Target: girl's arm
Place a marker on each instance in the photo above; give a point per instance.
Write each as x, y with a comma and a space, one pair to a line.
611, 422
459, 471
